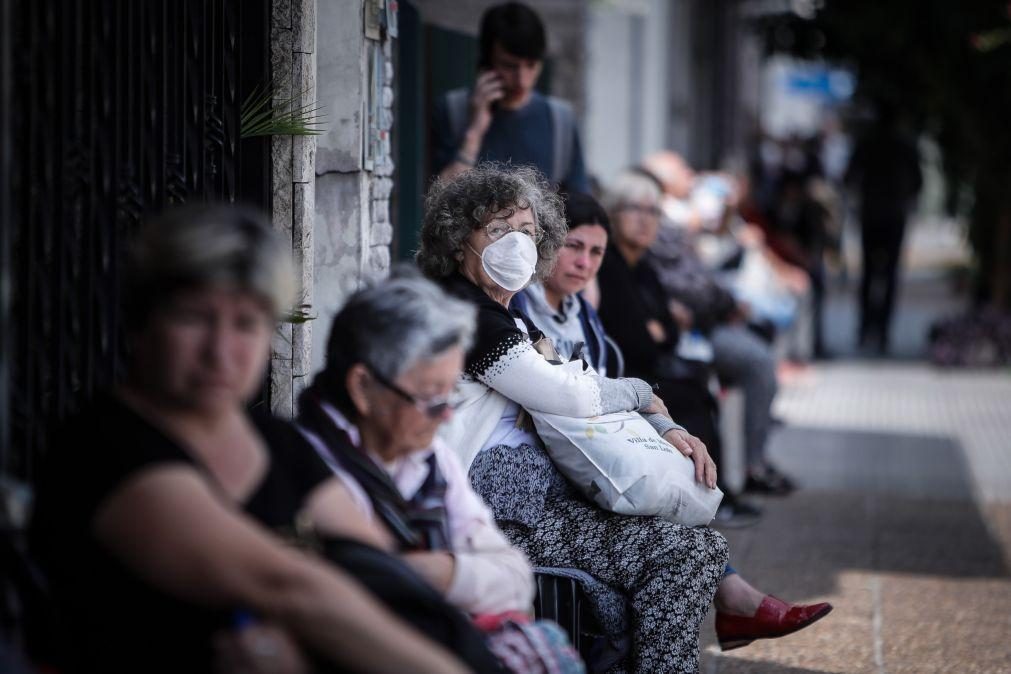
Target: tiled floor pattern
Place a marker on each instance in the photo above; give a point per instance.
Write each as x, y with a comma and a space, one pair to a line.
904, 523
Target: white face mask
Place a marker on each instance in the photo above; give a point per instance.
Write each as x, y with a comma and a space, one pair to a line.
510, 261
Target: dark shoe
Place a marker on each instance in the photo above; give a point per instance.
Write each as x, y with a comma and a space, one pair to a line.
735, 514
774, 473
771, 482
774, 618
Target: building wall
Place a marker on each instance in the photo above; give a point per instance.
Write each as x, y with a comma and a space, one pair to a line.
680, 107
293, 64
668, 74
628, 83
331, 191
352, 229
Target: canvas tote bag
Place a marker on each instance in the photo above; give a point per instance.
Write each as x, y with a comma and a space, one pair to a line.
622, 464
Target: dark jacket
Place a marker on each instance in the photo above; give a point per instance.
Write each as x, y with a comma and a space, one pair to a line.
597, 350
630, 297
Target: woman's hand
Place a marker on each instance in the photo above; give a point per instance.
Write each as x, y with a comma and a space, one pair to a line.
694, 449
656, 406
487, 90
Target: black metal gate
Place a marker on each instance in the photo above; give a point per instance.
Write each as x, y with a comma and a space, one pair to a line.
120, 107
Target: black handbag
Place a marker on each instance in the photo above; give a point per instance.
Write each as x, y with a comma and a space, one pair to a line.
398, 587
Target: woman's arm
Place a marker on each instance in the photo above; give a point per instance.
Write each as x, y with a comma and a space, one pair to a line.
438, 568
490, 574
525, 377
168, 527
333, 510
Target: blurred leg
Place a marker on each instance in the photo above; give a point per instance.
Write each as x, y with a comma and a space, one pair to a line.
742, 358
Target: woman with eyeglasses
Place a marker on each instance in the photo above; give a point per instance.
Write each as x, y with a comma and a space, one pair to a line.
639, 316
485, 235
394, 355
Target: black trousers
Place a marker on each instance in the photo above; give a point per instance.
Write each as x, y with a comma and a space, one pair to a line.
882, 248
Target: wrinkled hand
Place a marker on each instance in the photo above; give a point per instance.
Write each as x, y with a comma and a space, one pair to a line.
694, 449
487, 90
656, 406
258, 649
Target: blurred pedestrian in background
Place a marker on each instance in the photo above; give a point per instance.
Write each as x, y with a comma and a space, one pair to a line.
885, 171
502, 118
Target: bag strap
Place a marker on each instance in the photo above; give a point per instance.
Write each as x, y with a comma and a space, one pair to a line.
456, 107
563, 123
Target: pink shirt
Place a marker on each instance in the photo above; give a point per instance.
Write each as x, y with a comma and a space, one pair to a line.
490, 575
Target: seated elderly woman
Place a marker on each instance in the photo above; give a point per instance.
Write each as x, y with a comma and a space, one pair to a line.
393, 358
648, 249
557, 307
151, 509
484, 236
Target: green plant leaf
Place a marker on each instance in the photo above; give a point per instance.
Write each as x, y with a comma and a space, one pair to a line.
300, 314
265, 112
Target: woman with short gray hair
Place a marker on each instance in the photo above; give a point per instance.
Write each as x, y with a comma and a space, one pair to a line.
389, 327
394, 354
483, 238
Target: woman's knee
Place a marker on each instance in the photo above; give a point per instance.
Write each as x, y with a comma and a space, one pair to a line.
718, 546
677, 546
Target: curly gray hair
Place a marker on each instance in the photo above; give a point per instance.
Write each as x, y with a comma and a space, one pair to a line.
455, 208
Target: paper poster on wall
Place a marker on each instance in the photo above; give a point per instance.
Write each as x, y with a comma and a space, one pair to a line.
372, 129
375, 16
392, 7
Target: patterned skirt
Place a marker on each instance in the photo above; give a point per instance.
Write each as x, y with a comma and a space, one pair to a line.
668, 572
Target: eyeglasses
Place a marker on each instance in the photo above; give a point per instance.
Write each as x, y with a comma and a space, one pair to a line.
433, 407
499, 228
642, 210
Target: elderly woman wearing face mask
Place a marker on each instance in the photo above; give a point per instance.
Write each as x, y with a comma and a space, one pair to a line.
153, 509
485, 235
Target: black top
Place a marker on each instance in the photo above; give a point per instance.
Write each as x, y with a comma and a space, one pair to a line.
115, 621
630, 297
497, 331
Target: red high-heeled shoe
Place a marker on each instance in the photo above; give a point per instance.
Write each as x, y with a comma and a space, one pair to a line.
774, 618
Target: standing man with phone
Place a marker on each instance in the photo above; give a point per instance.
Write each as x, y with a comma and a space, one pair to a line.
502, 118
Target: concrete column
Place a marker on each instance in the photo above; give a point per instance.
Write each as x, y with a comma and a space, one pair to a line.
293, 67
353, 182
